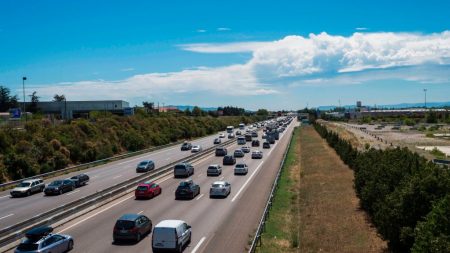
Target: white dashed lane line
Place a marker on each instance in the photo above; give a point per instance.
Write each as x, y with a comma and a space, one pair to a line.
6, 216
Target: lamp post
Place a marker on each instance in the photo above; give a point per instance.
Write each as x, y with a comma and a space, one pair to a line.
425, 91
23, 88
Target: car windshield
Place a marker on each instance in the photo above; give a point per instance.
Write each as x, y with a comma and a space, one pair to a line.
143, 163
56, 183
240, 166
24, 184
217, 185
142, 188
212, 168
74, 177
28, 246
124, 224
184, 184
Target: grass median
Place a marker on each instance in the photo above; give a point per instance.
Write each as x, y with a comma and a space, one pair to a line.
315, 208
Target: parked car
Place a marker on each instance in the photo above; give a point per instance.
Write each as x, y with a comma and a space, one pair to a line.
229, 160
132, 227
186, 146
231, 136
217, 141
187, 189
214, 170
238, 153
183, 170
220, 189
172, 235
266, 144
256, 154
59, 187
28, 187
196, 148
241, 169
221, 151
80, 180
147, 190
221, 135
255, 143
145, 166
41, 239
245, 149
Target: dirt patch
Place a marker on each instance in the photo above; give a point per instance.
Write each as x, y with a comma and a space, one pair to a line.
329, 215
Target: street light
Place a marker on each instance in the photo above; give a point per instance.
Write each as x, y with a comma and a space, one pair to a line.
425, 91
23, 88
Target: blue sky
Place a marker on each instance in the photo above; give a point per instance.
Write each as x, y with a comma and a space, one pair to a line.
255, 54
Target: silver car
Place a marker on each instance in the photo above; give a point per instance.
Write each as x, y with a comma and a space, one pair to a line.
241, 169
220, 189
214, 170
196, 148
245, 149
257, 154
28, 187
41, 240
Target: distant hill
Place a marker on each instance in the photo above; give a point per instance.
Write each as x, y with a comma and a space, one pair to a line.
389, 106
190, 107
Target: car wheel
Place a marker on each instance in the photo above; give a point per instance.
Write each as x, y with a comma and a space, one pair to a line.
138, 237
70, 246
152, 195
189, 241
73, 188
61, 192
193, 196
180, 248
28, 193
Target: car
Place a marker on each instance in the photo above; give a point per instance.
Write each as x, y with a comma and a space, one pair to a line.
221, 151
221, 135
217, 141
238, 133
187, 190
41, 239
183, 170
132, 227
266, 144
245, 149
171, 235
220, 189
241, 140
231, 136
229, 160
186, 146
256, 154
254, 134
196, 148
147, 190
214, 170
238, 153
27, 187
248, 137
241, 169
255, 143
145, 166
59, 187
80, 180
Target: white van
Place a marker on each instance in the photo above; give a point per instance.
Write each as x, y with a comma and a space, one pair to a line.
171, 235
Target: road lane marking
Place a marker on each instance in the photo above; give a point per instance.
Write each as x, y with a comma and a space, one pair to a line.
221, 178
198, 245
95, 214
117, 176
70, 193
6, 216
199, 175
4, 196
246, 182
141, 212
199, 197
94, 177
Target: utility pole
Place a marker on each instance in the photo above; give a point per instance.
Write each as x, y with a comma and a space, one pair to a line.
23, 88
425, 91
164, 107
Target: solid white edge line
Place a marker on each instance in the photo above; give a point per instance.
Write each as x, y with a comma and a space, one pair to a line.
116, 176
70, 193
6, 216
199, 197
246, 182
141, 212
4, 196
198, 245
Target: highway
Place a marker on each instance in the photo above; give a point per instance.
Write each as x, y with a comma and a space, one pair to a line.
13, 210
209, 218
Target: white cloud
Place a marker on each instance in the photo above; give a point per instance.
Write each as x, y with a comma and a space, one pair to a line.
361, 28
127, 69
223, 29
201, 30
239, 47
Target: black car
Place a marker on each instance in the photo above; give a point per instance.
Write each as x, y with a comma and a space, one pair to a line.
80, 180
229, 160
187, 190
221, 151
145, 166
59, 187
248, 137
255, 143
266, 144
186, 146
217, 141
132, 227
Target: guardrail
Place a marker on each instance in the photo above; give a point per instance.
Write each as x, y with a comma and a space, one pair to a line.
262, 223
90, 164
17, 231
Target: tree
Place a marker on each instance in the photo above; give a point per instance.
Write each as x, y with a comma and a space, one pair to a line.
262, 112
431, 117
196, 111
34, 100
59, 98
6, 100
149, 106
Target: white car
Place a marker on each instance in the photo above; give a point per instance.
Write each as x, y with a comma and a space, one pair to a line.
241, 169
245, 149
171, 235
221, 135
220, 189
196, 148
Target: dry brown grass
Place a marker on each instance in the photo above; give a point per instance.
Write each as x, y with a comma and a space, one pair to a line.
329, 215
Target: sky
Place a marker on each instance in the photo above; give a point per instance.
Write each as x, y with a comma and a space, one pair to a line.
253, 54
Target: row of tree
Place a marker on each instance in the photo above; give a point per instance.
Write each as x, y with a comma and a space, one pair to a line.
407, 197
44, 147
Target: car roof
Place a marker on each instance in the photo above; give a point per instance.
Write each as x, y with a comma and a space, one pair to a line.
31, 180
169, 223
219, 182
129, 216
214, 165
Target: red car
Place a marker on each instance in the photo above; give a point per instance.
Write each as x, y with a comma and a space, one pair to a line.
147, 190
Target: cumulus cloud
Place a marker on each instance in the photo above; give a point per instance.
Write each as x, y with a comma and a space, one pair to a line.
127, 69
361, 28
239, 47
201, 30
223, 29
